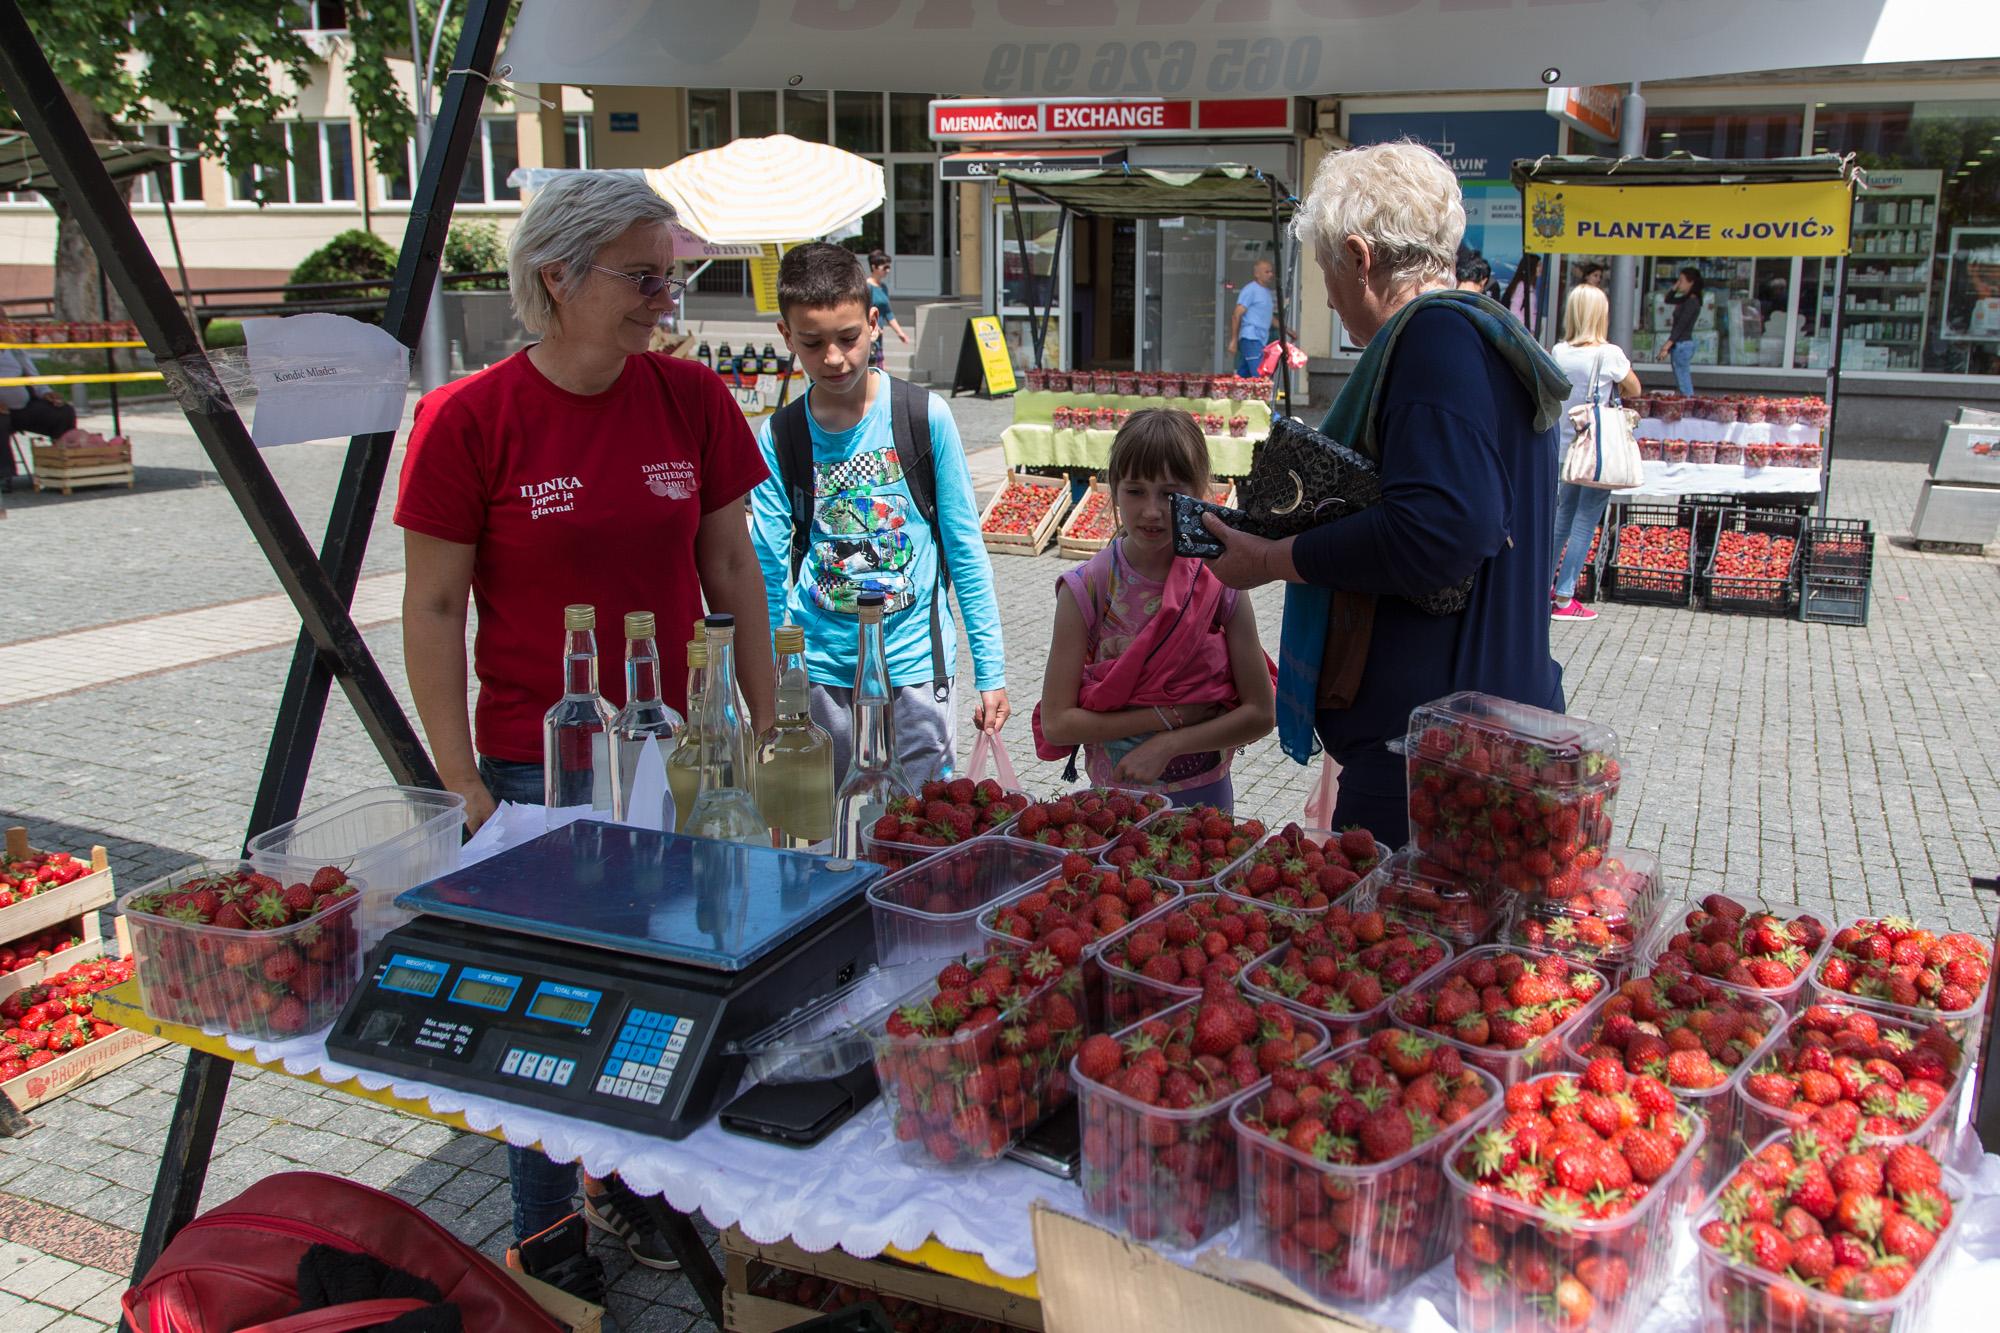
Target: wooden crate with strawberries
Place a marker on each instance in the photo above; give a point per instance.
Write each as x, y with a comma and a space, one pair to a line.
1091, 525
71, 466
58, 887
777, 1286
1023, 516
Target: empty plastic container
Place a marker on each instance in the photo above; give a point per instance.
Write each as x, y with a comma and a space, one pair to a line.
390, 838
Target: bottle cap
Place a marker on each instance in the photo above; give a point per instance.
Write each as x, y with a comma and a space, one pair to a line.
579, 616
638, 624
868, 606
788, 639
697, 652
720, 620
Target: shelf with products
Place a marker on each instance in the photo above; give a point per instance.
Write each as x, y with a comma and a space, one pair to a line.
1894, 219
1733, 328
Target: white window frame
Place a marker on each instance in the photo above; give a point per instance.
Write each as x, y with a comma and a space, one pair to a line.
311, 17
145, 188
584, 146
484, 161
326, 201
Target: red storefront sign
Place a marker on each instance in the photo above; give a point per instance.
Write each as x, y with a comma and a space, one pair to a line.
1114, 118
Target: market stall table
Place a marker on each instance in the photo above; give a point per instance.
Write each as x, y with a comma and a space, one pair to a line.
1034, 441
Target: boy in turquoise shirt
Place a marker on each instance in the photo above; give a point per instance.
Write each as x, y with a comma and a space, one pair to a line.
867, 531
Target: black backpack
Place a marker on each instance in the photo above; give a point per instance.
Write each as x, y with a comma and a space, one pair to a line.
791, 436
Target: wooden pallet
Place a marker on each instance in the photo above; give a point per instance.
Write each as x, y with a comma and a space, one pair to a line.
1014, 543
68, 467
747, 1263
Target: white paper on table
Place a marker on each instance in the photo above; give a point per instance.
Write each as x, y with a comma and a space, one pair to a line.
323, 377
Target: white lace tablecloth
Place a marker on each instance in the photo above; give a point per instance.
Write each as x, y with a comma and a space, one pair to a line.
1722, 479
1735, 432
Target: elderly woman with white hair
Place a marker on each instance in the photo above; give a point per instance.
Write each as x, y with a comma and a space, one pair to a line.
582, 469
1457, 405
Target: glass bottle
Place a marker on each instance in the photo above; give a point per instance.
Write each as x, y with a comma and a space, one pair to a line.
795, 757
705, 354
725, 361
875, 774
684, 764
577, 765
645, 713
724, 809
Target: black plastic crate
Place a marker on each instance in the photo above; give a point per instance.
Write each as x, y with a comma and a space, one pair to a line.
1704, 515
1635, 578
1837, 563
1764, 596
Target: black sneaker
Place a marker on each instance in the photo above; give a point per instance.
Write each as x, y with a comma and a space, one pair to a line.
615, 1210
581, 1275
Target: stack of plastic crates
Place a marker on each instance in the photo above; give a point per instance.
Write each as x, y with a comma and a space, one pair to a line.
1837, 561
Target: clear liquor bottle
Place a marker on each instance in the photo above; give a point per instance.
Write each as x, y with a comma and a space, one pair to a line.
645, 714
795, 757
684, 764
577, 765
724, 809
875, 774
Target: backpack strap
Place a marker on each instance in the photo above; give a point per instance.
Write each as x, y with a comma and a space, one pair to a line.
791, 436
908, 404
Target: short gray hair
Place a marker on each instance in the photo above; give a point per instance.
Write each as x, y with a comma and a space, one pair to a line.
1401, 198
568, 221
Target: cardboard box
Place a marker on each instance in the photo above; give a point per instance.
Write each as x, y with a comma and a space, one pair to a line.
746, 1262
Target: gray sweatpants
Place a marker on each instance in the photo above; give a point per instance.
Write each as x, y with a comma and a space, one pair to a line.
926, 730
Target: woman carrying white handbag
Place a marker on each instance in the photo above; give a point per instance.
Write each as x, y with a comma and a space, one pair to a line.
1594, 367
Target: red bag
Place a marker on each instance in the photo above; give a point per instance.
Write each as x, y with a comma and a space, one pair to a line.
235, 1268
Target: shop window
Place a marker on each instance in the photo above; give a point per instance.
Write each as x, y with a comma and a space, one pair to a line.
1735, 132
756, 114
857, 122
806, 115
708, 118
910, 123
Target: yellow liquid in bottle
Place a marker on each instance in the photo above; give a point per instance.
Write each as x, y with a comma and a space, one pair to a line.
795, 783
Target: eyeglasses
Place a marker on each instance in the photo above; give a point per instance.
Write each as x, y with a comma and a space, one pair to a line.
650, 285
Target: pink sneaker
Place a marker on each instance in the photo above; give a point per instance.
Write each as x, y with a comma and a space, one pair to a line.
1573, 610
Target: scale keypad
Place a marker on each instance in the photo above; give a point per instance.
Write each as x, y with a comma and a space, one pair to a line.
523, 1063
643, 1056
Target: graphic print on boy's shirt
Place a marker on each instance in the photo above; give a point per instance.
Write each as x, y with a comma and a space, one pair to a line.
859, 539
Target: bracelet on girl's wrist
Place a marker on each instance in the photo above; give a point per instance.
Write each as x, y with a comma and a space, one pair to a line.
1160, 713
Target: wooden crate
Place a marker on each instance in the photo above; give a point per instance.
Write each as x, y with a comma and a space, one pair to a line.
747, 1262
1013, 543
78, 1067
67, 467
1082, 548
80, 897
23, 977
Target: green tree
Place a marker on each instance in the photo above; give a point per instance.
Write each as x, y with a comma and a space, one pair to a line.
474, 247
352, 256
380, 29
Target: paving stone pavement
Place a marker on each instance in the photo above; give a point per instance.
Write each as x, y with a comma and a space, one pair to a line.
1845, 769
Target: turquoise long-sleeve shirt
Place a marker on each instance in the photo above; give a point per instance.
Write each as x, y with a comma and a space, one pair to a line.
867, 536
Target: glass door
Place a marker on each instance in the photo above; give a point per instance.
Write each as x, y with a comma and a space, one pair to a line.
914, 212
1183, 318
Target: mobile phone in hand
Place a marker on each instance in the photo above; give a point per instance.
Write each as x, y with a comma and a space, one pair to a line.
1190, 537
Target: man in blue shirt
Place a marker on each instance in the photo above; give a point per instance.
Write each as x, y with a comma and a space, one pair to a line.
867, 533
1253, 317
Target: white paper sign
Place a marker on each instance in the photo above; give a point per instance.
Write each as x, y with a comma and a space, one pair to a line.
323, 377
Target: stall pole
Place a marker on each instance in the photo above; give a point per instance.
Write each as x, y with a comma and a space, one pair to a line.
1624, 268
1027, 273
110, 357
302, 706
1284, 366
174, 236
1832, 384
1055, 280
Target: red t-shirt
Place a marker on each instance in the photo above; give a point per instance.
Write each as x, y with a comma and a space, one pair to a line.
573, 498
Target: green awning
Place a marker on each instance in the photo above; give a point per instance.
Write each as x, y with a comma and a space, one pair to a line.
1122, 190
1682, 169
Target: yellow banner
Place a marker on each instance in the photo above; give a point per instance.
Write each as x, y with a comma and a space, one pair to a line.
1794, 218
764, 280
993, 356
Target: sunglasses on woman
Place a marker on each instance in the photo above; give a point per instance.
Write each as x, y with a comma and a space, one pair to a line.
649, 284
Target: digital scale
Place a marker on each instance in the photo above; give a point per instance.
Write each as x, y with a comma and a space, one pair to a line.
600, 971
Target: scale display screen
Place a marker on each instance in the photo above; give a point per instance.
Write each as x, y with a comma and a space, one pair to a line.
485, 990
571, 1005
411, 980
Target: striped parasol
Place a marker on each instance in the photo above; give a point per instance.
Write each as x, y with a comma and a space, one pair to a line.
771, 190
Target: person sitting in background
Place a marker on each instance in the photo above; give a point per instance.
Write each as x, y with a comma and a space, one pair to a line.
27, 407
1594, 365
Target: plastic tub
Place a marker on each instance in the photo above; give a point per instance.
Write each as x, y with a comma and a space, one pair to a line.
1035, 830
1739, 1298
390, 838
267, 984
1615, 908
835, 1033
1962, 1022
1413, 1011
950, 1098
1409, 887
1162, 1174
1667, 948
1322, 876
931, 909
1906, 1042
1661, 1010
1511, 1257
895, 854
1130, 995
1152, 846
1343, 1232
1504, 794
1064, 895
1283, 976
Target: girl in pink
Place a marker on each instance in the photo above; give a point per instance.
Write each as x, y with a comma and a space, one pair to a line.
1155, 668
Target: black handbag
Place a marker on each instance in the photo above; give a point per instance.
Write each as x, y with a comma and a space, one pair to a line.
1301, 479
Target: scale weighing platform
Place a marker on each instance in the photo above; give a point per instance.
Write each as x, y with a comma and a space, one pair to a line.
600, 971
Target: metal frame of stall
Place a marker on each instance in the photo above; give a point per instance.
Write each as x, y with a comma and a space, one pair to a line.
1682, 169
1122, 190
321, 585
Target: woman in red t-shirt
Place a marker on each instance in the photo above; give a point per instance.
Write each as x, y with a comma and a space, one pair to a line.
584, 469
